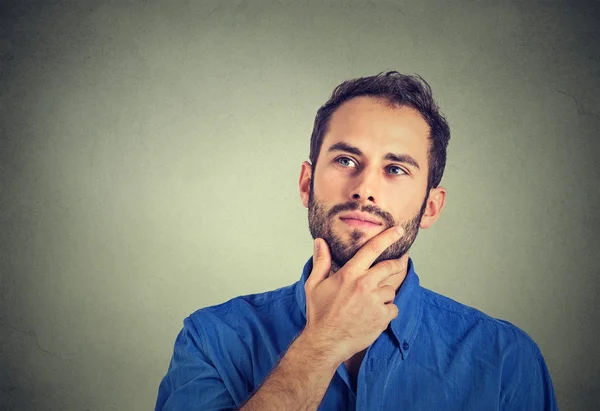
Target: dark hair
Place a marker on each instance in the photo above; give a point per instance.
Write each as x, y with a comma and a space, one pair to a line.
398, 90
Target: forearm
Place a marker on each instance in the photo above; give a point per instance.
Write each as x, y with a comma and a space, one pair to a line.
298, 382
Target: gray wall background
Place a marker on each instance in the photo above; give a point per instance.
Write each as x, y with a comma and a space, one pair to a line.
150, 153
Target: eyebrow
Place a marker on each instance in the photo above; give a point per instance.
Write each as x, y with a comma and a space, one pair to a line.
399, 158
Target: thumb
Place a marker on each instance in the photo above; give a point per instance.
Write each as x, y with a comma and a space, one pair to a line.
321, 263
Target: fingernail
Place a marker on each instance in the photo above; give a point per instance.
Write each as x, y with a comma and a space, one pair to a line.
399, 229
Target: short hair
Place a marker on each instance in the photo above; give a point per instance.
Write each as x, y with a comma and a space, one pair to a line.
398, 90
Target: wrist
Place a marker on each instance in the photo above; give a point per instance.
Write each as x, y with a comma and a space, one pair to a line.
319, 351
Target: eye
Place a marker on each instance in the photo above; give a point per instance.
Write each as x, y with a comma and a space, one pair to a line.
345, 162
395, 170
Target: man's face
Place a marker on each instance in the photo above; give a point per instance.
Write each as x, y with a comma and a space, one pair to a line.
364, 172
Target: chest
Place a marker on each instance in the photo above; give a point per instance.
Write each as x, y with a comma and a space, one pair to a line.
396, 384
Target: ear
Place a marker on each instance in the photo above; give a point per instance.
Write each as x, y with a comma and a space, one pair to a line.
433, 209
304, 182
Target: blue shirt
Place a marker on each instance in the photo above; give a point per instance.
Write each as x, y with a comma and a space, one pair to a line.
437, 354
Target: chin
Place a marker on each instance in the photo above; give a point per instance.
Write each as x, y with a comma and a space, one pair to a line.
358, 236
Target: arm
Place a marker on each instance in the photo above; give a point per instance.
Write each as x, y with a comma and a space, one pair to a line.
298, 382
526, 383
345, 313
192, 382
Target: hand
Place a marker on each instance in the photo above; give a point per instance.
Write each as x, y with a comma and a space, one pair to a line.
347, 311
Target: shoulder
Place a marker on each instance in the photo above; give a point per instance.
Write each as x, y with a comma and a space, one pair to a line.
224, 351
468, 323
508, 353
245, 335
245, 311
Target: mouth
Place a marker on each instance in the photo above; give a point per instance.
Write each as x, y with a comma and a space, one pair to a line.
360, 220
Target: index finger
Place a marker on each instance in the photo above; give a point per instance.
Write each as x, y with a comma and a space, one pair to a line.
368, 253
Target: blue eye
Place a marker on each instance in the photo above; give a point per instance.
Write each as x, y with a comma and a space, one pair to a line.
395, 170
346, 162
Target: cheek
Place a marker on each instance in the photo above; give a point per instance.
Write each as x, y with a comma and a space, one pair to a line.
329, 185
402, 207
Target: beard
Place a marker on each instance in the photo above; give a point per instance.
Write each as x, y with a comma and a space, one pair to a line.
320, 223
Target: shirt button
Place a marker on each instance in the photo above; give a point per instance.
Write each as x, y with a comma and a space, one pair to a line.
405, 346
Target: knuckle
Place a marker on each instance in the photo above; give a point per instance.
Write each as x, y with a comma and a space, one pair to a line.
344, 276
390, 266
388, 293
390, 289
385, 294
362, 284
387, 265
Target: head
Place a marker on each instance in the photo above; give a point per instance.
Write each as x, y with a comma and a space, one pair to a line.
377, 152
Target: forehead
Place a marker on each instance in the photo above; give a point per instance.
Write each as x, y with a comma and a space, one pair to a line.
374, 126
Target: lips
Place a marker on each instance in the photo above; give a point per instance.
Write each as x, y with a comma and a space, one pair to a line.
357, 219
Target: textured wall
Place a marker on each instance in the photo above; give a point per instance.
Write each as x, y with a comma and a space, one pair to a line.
150, 153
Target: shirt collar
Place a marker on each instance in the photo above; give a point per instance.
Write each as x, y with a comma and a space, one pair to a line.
408, 300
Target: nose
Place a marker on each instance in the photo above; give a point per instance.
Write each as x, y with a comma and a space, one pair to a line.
366, 187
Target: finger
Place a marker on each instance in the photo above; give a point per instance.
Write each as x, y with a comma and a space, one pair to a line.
385, 272
373, 248
386, 294
321, 263
392, 311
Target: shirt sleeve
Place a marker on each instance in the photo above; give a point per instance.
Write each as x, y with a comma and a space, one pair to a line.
192, 382
526, 381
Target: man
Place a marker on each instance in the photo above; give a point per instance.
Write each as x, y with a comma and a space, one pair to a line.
357, 332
